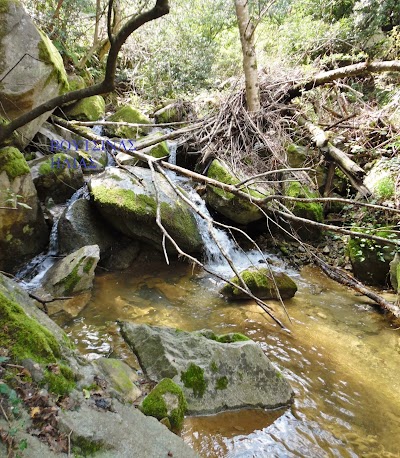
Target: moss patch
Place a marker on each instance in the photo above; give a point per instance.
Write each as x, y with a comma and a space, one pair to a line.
385, 188
62, 382
232, 337
12, 161
49, 54
221, 383
312, 211
56, 164
156, 403
194, 378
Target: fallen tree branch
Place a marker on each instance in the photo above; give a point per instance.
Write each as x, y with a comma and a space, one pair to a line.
344, 72
346, 279
128, 124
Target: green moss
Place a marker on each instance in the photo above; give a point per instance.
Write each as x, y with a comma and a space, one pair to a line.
60, 383
51, 164
194, 378
24, 336
155, 404
261, 284
213, 367
88, 265
232, 337
76, 82
88, 109
72, 279
221, 383
312, 211
49, 54
385, 188
131, 115
12, 161
86, 447
5, 5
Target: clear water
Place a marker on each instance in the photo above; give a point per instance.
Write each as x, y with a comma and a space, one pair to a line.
342, 360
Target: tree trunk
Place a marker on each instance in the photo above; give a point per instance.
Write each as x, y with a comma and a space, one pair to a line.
96, 26
246, 30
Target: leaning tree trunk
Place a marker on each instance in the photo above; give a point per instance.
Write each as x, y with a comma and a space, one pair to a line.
246, 30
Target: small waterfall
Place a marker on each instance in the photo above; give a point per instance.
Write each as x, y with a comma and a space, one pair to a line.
33, 272
172, 146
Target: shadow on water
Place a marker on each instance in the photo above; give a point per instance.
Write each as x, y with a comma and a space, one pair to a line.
342, 360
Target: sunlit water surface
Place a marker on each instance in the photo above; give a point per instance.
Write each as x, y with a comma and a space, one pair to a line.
342, 360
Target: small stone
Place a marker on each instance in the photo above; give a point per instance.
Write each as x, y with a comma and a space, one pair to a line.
326, 250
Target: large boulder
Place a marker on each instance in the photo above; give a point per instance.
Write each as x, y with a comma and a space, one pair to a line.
262, 284
81, 225
73, 274
38, 77
235, 208
127, 114
23, 231
213, 375
128, 201
57, 176
175, 112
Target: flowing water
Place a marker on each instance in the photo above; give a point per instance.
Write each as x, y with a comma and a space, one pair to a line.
342, 360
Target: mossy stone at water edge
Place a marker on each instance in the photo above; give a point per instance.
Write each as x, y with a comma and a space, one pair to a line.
88, 109
129, 204
166, 400
262, 284
213, 376
235, 208
158, 150
129, 114
26, 338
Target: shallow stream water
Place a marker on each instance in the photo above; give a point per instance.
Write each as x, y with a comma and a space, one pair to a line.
342, 360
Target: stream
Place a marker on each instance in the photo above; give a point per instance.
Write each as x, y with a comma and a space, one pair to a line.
342, 359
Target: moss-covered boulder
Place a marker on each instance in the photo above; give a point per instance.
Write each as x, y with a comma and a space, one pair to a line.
23, 231
239, 210
25, 333
370, 260
262, 284
37, 78
213, 375
129, 114
57, 176
381, 179
89, 109
158, 150
129, 203
74, 273
121, 378
166, 400
174, 112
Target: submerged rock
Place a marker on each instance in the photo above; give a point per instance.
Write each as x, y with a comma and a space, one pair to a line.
129, 203
262, 284
131, 115
37, 78
23, 231
166, 400
57, 176
239, 210
73, 274
214, 376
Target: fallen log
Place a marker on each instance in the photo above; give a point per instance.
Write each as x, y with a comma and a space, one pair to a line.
344, 72
346, 279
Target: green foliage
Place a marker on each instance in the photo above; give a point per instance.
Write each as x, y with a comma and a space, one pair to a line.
193, 378
385, 188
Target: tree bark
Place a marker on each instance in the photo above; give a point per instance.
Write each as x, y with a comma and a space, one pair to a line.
160, 9
246, 30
